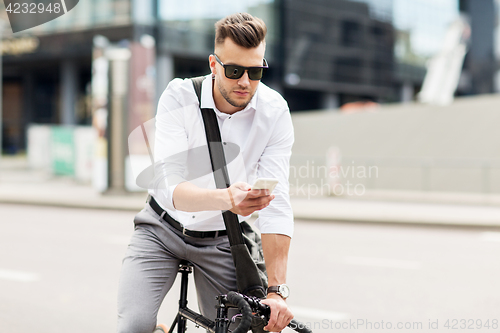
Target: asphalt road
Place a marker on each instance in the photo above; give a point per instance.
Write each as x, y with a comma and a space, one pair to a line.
59, 270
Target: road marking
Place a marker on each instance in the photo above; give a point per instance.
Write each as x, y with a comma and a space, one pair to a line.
317, 314
18, 276
490, 236
383, 262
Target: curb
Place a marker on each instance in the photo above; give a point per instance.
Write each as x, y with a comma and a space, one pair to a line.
332, 210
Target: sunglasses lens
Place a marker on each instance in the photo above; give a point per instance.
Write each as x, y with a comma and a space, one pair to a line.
255, 73
234, 72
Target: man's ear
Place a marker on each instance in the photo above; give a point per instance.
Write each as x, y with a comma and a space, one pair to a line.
211, 62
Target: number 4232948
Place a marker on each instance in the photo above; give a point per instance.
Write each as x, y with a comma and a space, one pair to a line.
455, 324
33, 8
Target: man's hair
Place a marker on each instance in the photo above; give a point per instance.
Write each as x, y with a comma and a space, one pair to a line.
243, 29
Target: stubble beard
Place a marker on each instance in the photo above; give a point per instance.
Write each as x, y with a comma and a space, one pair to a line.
231, 101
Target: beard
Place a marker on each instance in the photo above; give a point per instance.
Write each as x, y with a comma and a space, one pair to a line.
238, 104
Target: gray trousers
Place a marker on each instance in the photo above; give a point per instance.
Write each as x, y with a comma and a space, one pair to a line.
151, 265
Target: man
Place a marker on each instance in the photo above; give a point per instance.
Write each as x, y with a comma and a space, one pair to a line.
252, 117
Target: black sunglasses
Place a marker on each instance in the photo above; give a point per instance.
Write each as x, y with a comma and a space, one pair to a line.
235, 72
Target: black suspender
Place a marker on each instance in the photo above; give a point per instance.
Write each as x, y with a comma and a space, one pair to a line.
247, 275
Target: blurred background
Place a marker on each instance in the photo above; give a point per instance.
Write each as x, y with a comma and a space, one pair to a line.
394, 176
421, 77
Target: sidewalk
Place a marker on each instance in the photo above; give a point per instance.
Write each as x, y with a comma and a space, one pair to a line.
20, 185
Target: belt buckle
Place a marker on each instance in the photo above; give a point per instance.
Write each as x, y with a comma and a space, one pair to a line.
184, 231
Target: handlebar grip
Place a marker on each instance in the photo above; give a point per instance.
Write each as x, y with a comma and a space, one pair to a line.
253, 304
245, 310
297, 326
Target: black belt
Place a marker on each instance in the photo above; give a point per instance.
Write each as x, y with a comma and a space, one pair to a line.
191, 233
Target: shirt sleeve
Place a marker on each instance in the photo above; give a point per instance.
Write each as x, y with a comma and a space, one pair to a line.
277, 218
171, 145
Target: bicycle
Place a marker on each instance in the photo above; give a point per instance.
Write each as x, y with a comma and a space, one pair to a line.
246, 305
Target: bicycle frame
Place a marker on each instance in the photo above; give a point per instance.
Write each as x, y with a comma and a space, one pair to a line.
221, 324
184, 312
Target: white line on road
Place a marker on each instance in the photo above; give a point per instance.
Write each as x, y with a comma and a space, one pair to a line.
490, 236
383, 262
18, 276
309, 313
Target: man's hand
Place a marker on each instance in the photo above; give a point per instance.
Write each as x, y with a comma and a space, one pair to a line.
246, 201
280, 313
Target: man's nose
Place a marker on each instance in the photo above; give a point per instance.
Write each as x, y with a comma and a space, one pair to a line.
244, 81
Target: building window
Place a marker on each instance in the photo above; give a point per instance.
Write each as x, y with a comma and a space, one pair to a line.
348, 70
351, 33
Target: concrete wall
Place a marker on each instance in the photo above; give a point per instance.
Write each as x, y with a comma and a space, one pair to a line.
404, 147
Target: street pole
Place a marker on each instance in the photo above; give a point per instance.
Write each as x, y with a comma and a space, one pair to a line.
1, 87
117, 120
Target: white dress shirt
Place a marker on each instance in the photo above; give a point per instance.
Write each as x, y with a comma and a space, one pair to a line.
258, 142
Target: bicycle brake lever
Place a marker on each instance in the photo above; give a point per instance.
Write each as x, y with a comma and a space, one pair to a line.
233, 318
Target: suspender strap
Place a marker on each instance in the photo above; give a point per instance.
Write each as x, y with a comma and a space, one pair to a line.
250, 279
218, 160
197, 82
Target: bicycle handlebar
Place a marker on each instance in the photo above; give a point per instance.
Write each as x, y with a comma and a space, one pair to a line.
246, 312
247, 305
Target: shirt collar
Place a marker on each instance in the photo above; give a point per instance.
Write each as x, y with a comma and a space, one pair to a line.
207, 99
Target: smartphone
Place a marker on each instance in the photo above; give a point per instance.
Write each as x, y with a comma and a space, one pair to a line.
265, 184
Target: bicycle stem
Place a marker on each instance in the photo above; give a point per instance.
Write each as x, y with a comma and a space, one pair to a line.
221, 322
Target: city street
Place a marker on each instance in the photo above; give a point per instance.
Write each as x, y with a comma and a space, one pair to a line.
59, 270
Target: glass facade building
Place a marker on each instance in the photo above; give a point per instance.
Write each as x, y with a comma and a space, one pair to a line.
198, 16
87, 15
380, 9
482, 65
497, 47
335, 52
186, 30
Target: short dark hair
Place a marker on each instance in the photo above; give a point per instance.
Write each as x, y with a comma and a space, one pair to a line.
243, 29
